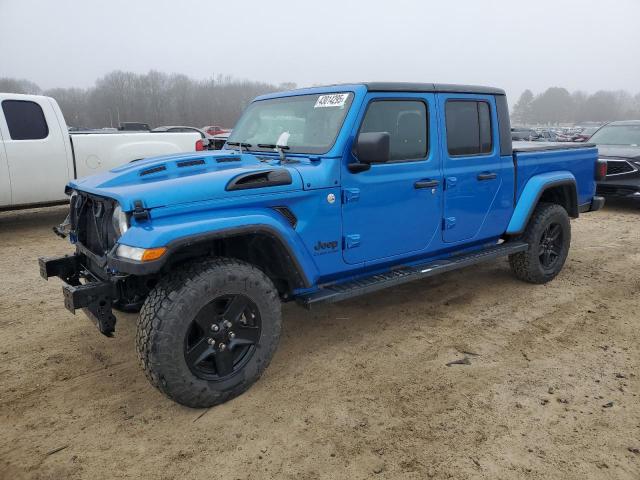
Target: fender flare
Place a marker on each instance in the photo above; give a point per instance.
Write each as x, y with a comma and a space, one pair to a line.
302, 267
531, 194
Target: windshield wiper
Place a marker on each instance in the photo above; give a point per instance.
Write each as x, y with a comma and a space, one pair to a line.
279, 148
240, 144
273, 145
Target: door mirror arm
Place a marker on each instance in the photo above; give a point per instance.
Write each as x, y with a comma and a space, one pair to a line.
358, 167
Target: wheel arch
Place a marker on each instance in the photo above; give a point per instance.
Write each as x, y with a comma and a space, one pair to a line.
559, 188
261, 245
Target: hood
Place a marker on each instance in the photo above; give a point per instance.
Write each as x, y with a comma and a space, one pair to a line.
192, 177
627, 152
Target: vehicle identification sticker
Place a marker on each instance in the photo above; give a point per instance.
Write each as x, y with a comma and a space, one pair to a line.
333, 100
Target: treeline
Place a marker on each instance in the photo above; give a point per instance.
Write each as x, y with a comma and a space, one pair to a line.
558, 105
155, 98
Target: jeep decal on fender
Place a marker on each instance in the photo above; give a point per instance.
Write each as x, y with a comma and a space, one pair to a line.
325, 247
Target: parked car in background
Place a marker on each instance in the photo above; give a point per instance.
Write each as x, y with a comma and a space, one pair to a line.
207, 140
546, 135
585, 134
619, 144
215, 130
181, 128
39, 156
134, 127
219, 140
524, 134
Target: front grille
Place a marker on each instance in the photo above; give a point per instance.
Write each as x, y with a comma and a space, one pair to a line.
91, 220
618, 167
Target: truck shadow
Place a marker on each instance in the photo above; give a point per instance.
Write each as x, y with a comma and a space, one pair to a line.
30, 219
622, 205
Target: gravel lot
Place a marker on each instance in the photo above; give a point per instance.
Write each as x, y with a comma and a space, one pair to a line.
356, 390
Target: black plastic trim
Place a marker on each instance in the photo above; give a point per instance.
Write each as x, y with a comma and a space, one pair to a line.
574, 210
504, 125
431, 87
138, 268
260, 179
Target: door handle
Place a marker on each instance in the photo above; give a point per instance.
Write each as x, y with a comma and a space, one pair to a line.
487, 176
426, 184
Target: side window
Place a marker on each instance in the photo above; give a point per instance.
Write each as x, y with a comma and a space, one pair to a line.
25, 120
406, 123
468, 127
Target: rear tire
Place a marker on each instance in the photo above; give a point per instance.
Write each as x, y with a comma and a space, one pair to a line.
549, 237
208, 330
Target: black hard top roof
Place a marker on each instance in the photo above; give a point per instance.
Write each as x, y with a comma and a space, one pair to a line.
430, 87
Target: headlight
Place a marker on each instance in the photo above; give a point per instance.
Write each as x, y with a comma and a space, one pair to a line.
140, 254
120, 221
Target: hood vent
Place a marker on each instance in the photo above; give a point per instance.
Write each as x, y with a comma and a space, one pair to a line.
227, 159
190, 163
151, 170
261, 179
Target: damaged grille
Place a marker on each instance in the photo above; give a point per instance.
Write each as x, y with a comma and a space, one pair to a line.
91, 222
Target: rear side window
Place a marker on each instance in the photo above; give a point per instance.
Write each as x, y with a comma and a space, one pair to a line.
406, 123
25, 120
468, 127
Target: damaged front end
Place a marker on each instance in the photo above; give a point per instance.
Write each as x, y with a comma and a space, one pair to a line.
89, 283
82, 290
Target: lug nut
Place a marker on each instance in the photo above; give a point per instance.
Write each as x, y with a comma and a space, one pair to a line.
226, 323
215, 327
222, 347
232, 335
211, 341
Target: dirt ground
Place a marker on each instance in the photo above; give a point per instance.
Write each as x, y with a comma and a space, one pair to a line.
356, 390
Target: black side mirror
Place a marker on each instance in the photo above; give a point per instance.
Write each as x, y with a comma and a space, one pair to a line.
373, 147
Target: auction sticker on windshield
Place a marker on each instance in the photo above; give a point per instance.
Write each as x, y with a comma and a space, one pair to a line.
333, 100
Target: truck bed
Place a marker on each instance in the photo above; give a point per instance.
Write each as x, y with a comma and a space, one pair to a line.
523, 146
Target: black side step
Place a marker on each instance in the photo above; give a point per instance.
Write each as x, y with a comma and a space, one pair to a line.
341, 291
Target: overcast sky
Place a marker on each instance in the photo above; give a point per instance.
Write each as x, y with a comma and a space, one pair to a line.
584, 44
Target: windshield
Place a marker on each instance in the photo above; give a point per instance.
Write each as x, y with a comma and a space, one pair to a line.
304, 123
617, 135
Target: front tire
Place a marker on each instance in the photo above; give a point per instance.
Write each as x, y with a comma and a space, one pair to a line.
208, 330
549, 237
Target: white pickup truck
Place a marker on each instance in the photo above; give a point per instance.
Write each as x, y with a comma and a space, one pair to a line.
38, 155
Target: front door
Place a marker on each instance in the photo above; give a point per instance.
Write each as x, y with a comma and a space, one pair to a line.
35, 149
472, 165
393, 209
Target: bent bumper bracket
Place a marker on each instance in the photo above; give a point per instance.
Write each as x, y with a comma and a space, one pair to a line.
94, 297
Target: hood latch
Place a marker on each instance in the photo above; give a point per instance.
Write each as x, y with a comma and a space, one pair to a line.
140, 213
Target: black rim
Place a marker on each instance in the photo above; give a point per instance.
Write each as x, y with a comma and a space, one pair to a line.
222, 337
550, 245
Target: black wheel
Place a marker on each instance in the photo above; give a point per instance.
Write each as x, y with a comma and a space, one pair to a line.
549, 236
207, 331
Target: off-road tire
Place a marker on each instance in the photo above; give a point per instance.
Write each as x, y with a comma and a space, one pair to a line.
527, 265
171, 307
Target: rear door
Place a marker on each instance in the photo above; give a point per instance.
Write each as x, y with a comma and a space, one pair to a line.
393, 209
35, 149
473, 173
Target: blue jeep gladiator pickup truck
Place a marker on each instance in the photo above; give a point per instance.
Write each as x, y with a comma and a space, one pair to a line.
319, 194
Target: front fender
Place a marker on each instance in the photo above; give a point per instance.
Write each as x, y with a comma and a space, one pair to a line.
178, 231
531, 194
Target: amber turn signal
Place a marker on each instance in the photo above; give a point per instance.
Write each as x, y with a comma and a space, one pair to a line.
153, 254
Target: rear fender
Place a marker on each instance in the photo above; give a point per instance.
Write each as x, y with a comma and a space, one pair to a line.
533, 192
